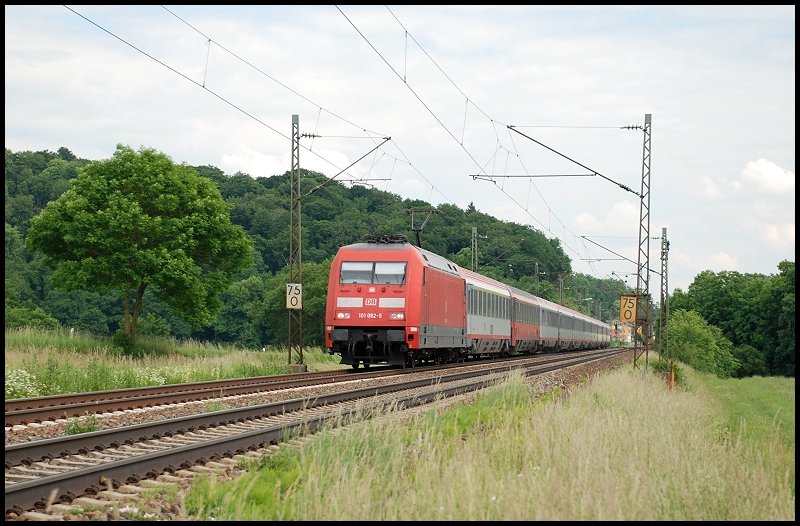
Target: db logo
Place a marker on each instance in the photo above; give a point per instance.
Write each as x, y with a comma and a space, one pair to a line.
370, 301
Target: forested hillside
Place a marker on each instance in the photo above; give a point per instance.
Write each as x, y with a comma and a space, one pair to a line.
253, 310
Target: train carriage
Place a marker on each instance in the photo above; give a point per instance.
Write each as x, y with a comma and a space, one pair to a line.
488, 314
526, 328
551, 322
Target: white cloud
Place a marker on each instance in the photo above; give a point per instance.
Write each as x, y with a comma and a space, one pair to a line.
682, 259
721, 260
622, 216
710, 187
781, 237
768, 177
254, 163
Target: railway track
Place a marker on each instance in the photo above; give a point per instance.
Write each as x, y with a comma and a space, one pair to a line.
40, 409
60, 470
23, 411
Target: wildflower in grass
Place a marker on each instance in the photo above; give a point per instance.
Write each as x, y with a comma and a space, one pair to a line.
153, 376
20, 384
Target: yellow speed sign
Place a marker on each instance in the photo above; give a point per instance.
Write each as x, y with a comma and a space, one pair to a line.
627, 308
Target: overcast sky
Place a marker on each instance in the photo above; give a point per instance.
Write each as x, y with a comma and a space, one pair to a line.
505, 93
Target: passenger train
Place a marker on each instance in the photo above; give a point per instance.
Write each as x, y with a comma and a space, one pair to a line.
396, 303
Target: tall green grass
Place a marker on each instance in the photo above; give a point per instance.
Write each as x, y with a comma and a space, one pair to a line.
757, 406
40, 363
623, 447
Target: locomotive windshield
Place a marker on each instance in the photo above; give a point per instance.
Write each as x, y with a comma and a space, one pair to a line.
367, 272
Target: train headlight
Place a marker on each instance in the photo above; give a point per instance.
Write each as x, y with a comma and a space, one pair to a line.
343, 315
397, 316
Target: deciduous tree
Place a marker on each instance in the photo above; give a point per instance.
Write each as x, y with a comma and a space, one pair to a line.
138, 221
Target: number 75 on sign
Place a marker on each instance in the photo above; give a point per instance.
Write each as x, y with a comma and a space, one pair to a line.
627, 308
294, 295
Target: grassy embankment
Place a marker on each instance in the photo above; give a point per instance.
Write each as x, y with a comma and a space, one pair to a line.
40, 363
623, 447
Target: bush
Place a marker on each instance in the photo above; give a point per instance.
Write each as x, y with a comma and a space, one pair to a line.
152, 325
17, 317
124, 341
92, 320
695, 342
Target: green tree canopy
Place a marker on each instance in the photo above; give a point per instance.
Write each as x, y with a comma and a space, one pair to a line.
700, 345
138, 220
752, 310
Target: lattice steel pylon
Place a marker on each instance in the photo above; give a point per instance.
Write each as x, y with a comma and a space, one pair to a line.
641, 335
663, 318
295, 248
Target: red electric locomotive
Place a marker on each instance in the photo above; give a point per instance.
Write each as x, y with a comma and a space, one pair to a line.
392, 302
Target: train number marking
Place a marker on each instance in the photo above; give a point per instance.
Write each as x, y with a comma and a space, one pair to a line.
370, 315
